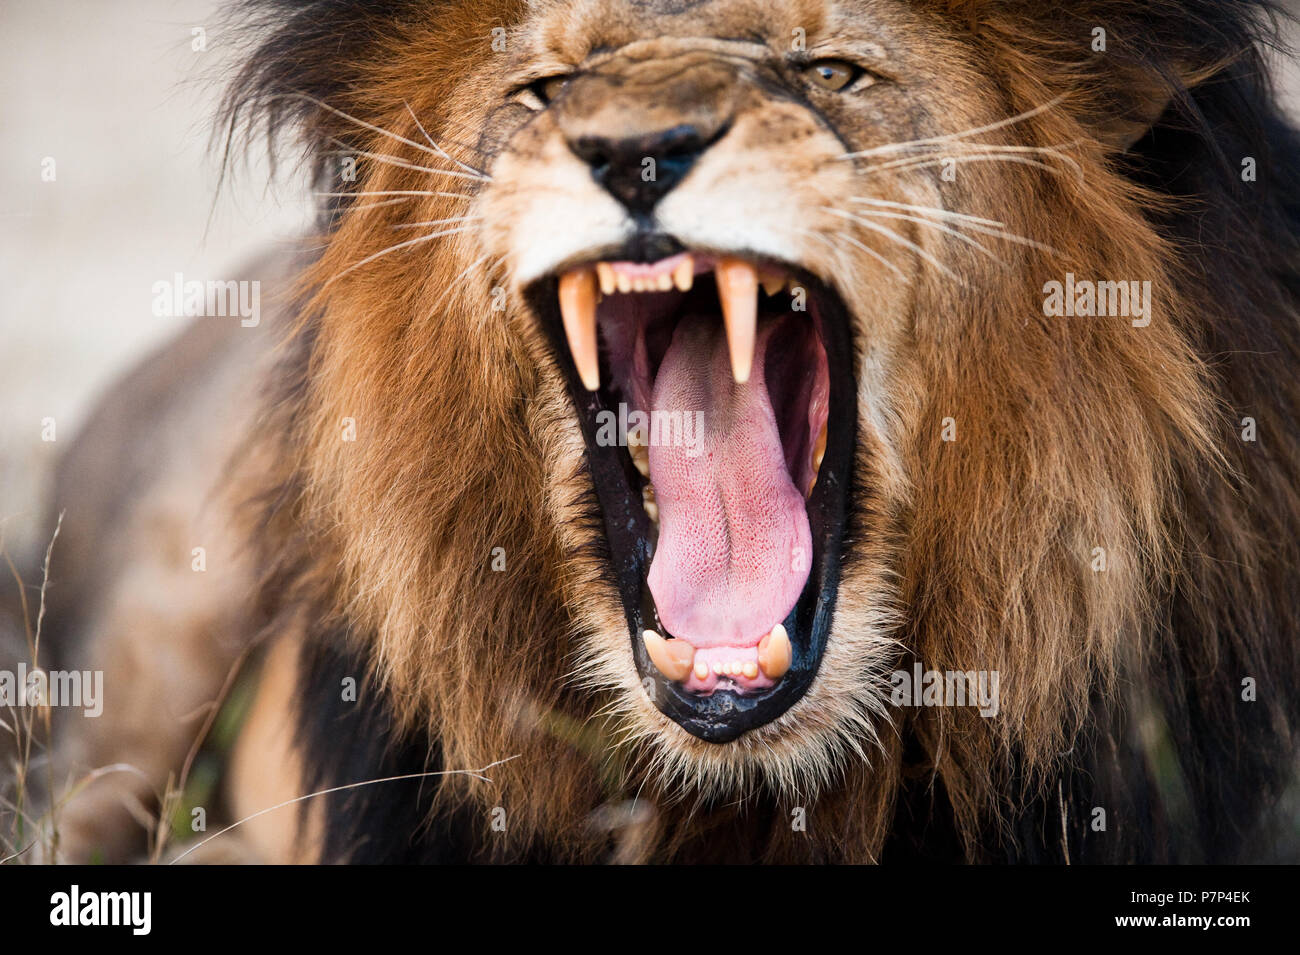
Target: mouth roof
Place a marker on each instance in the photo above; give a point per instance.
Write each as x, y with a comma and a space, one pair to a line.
713, 376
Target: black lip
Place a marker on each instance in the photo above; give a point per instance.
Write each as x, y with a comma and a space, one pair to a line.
724, 715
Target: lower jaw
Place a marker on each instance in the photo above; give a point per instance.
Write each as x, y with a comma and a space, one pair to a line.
724, 714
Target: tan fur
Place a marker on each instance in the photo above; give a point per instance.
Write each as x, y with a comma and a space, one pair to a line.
973, 554
266, 768
465, 435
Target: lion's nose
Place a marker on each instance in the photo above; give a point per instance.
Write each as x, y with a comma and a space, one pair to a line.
638, 171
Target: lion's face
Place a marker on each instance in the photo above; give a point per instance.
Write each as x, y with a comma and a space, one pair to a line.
683, 196
768, 281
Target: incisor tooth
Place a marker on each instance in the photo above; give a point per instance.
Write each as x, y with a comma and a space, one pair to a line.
605, 273
672, 658
665, 282
701, 671
624, 283
751, 670
738, 289
774, 653
578, 310
684, 274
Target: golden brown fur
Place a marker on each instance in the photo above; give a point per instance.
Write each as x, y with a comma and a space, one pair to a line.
1072, 434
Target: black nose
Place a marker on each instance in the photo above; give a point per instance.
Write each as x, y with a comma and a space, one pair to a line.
638, 171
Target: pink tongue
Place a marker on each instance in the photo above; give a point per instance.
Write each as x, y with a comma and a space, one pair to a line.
734, 543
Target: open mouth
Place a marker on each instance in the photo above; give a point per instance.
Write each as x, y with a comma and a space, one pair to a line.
715, 393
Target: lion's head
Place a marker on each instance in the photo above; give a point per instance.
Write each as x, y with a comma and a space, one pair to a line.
810, 246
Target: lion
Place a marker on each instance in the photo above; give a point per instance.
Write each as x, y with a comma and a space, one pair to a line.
705, 430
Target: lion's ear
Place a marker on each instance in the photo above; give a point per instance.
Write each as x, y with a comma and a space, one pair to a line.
1139, 97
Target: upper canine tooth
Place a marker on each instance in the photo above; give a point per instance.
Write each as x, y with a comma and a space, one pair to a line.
684, 274
578, 310
672, 658
774, 653
772, 282
605, 273
738, 289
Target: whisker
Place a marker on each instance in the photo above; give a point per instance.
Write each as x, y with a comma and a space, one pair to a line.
926, 222
987, 227
378, 205
403, 164
950, 137
926, 163
398, 192
393, 248
430, 222
934, 210
371, 126
867, 249
943, 148
1013, 238
442, 152
901, 240
1000, 152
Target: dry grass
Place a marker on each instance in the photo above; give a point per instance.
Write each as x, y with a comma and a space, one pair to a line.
29, 729
32, 794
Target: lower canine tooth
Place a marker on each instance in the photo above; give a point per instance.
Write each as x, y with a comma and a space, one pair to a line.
672, 658
774, 653
578, 310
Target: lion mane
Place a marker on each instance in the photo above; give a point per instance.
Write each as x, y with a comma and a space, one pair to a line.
439, 556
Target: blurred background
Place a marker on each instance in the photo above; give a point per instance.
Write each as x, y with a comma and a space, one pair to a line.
120, 95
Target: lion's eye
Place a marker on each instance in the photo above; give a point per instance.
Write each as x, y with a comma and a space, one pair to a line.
833, 75
548, 88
